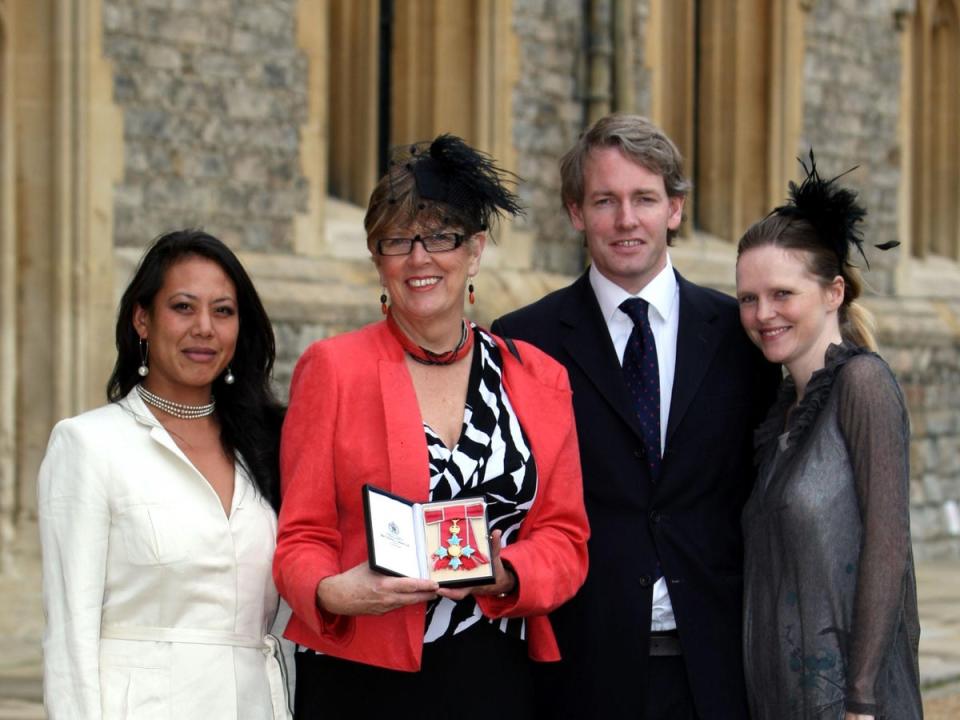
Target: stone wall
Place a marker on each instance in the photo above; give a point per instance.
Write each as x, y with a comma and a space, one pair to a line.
213, 93
641, 71
917, 340
548, 115
851, 117
549, 112
851, 110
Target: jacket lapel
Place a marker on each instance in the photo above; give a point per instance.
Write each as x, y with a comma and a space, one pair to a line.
697, 341
158, 434
409, 474
136, 407
589, 345
531, 401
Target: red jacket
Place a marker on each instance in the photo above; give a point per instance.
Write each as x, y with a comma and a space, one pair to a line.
354, 419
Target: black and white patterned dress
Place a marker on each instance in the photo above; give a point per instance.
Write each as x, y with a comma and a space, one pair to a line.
492, 459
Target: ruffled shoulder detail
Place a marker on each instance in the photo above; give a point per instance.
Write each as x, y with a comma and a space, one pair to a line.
772, 426
816, 396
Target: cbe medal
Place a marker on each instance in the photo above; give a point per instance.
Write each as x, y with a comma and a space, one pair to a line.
458, 549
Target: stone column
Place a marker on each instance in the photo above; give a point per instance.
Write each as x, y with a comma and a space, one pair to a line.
8, 292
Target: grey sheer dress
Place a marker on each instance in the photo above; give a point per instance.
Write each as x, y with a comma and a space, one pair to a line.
830, 602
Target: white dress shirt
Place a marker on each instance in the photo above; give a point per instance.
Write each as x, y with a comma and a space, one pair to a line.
663, 295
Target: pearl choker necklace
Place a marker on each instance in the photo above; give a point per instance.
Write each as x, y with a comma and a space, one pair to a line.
178, 410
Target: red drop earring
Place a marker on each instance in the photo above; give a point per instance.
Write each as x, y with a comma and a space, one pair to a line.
383, 303
471, 297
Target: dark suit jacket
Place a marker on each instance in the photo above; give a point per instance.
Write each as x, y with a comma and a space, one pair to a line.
689, 519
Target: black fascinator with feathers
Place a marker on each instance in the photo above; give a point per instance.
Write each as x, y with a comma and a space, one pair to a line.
464, 186
832, 210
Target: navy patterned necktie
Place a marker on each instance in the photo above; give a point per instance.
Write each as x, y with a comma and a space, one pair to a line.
641, 371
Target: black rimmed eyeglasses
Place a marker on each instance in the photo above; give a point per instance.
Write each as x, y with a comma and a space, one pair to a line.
437, 243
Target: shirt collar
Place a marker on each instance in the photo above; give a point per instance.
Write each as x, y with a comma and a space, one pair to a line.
138, 408
661, 292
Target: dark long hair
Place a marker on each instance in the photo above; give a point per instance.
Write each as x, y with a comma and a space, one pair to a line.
249, 414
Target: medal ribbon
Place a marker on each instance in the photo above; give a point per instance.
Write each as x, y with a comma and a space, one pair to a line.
463, 554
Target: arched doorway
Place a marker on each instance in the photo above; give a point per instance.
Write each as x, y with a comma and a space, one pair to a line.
727, 86
403, 71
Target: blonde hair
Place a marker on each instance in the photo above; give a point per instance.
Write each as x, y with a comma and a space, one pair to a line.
857, 324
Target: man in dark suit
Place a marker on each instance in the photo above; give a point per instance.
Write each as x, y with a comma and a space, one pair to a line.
666, 391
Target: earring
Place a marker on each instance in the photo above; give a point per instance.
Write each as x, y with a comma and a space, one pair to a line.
229, 378
472, 297
383, 303
143, 370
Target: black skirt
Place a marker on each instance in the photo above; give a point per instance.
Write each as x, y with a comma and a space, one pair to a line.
474, 674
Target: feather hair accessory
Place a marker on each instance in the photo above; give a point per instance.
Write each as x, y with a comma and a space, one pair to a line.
832, 210
466, 182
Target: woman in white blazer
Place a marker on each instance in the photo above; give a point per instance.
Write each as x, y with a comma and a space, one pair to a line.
158, 511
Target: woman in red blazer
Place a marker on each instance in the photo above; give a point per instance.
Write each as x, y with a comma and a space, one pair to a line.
430, 407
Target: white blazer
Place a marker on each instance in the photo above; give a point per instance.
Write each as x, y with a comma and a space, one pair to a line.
157, 604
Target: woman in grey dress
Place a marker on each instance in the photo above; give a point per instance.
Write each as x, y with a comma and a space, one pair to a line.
830, 607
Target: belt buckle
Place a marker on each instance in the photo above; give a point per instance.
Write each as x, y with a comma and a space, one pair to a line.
665, 644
